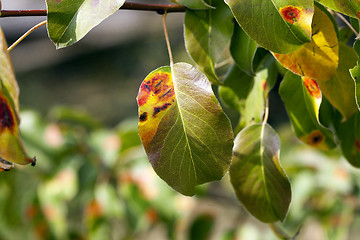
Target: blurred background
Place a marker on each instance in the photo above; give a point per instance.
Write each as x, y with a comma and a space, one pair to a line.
92, 179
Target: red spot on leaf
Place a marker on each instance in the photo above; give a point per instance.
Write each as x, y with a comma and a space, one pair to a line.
357, 144
312, 87
358, 14
7, 119
315, 138
290, 14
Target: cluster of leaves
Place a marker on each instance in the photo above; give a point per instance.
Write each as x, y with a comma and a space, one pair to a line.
186, 135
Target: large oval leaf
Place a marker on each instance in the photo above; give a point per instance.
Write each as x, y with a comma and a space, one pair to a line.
280, 26
207, 33
256, 175
186, 135
340, 90
68, 21
319, 58
302, 98
347, 7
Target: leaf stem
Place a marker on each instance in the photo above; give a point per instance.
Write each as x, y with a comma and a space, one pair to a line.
266, 114
25, 35
160, 8
348, 24
167, 39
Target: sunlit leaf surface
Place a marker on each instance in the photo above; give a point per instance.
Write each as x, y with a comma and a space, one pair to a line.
68, 21
280, 26
347, 7
186, 135
302, 98
256, 175
319, 58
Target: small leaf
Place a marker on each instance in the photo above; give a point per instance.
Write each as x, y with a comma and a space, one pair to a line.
349, 136
256, 175
347, 7
319, 58
275, 25
243, 50
302, 99
340, 90
355, 74
207, 33
7, 73
185, 133
68, 21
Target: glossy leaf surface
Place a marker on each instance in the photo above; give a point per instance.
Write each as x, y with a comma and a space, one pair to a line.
347, 7
302, 98
256, 175
69, 21
340, 90
207, 33
279, 26
349, 136
319, 58
186, 135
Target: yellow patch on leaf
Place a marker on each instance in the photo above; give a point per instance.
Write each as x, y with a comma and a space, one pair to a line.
319, 58
156, 95
312, 87
315, 139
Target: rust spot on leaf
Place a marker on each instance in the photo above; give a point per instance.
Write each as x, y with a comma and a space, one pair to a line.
315, 138
7, 118
290, 14
312, 87
357, 144
143, 117
358, 14
159, 109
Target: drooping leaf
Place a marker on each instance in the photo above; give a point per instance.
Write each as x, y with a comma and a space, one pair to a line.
192, 4
340, 90
279, 26
349, 136
319, 58
256, 175
302, 98
185, 133
68, 21
207, 33
11, 149
243, 50
7, 73
347, 7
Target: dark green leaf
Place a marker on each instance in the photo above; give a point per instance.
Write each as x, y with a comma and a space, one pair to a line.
256, 175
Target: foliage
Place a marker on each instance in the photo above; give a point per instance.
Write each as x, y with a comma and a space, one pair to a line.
240, 46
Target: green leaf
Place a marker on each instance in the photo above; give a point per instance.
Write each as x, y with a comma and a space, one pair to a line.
243, 50
302, 99
256, 175
7, 73
279, 26
207, 33
355, 74
347, 7
68, 21
192, 4
319, 58
349, 136
340, 90
185, 133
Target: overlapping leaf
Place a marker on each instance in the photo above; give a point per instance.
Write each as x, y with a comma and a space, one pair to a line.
349, 136
319, 58
340, 90
280, 26
243, 50
302, 99
186, 135
256, 175
347, 7
207, 33
192, 4
69, 21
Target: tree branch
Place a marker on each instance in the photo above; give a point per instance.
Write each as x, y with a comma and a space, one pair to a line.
159, 8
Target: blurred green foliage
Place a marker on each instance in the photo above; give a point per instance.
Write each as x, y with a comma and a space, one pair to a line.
92, 182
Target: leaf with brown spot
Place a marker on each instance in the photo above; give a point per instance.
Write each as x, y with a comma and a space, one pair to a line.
319, 58
186, 135
302, 99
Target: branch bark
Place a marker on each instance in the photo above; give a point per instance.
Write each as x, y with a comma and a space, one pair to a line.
159, 8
